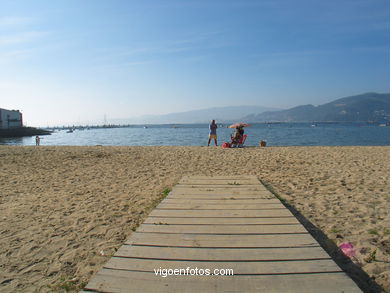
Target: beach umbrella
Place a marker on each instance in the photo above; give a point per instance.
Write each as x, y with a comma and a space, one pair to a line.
241, 124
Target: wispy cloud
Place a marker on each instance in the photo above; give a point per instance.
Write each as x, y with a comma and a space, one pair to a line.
324, 52
192, 42
189, 48
192, 59
12, 21
9, 56
197, 41
18, 38
298, 59
118, 67
24, 37
16, 32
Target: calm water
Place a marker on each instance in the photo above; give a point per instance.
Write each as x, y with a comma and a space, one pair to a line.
284, 134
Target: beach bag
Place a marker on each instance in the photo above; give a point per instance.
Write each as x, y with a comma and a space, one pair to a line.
226, 145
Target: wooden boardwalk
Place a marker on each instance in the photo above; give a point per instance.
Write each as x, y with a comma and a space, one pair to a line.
221, 223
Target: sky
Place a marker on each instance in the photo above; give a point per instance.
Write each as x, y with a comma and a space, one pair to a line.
78, 61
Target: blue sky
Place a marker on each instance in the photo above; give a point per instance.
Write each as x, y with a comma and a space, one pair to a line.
78, 60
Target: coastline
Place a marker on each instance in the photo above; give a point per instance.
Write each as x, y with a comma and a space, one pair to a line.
65, 210
22, 131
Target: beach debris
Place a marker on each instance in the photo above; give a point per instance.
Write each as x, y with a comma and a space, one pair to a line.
102, 253
348, 249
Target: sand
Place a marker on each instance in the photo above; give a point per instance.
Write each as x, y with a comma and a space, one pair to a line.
65, 210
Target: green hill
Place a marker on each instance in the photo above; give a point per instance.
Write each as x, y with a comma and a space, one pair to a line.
366, 107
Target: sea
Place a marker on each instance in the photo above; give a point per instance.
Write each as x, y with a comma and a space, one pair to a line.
275, 134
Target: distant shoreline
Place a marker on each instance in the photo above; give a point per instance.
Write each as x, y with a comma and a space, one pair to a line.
220, 124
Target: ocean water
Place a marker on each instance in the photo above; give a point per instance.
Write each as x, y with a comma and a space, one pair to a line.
276, 134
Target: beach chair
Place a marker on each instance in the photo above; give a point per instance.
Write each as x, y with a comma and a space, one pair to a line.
242, 141
234, 143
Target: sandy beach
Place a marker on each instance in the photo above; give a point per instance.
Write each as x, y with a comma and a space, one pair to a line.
65, 210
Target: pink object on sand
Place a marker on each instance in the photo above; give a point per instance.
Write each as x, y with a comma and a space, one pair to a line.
348, 249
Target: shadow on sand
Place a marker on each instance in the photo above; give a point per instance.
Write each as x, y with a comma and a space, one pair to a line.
360, 277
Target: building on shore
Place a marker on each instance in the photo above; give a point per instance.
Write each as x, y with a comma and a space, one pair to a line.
10, 119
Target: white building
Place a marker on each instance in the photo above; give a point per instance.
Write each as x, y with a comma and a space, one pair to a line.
10, 119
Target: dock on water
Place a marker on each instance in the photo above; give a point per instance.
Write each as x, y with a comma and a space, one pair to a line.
231, 227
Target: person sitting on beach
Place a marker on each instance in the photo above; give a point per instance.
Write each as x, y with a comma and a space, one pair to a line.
236, 137
213, 132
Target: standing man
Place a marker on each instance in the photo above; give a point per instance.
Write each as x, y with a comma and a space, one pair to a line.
213, 132
37, 140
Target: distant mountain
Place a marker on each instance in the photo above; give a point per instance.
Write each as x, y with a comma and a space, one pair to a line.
365, 107
220, 114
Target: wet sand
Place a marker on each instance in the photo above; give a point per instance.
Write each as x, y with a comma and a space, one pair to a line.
65, 210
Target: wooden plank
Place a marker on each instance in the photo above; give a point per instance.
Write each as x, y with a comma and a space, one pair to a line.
238, 267
199, 240
226, 201
222, 192
221, 221
219, 182
221, 213
221, 196
127, 281
253, 187
227, 229
220, 189
223, 254
217, 178
194, 190
231, 206
226, 191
